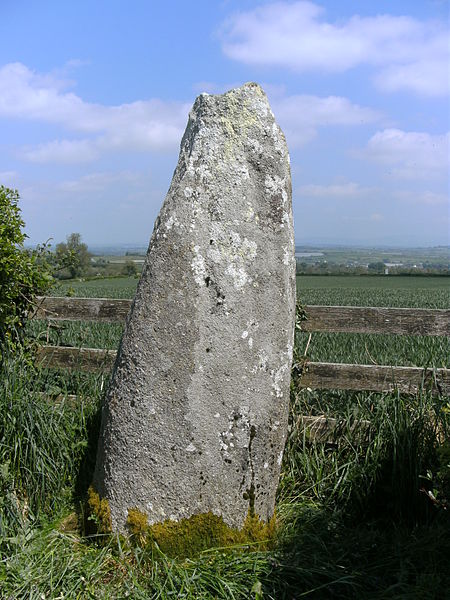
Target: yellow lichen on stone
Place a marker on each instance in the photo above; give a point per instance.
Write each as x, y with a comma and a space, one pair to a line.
188, 537
238, 122
137, 523
259, 531
98, 511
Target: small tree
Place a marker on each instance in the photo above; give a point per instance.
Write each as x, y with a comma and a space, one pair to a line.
376, 267
129, 268
73, 256
23, 273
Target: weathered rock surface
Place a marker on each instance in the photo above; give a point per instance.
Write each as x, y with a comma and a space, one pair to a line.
195, 418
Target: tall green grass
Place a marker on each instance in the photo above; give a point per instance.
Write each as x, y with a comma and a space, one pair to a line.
361, 515
42, 444
354, 521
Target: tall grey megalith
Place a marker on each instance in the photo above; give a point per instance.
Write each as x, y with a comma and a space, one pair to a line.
195, 418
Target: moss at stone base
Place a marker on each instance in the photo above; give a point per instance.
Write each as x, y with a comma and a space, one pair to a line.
98, 513
188, 537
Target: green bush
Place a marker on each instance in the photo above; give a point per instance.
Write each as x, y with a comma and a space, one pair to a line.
23, 273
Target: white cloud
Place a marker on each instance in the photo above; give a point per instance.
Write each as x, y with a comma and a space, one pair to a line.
429, 78
410, 154
63, 151
139, 126
8, 178
301, 115
348, 189
98, 182
426, 197
296, 36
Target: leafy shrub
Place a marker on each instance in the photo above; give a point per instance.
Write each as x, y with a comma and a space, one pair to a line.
23, 273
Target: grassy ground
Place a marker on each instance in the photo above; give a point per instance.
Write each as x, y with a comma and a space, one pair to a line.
356, 518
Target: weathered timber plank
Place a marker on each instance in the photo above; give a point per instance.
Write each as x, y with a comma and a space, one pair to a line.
332, 319
375, 378
103, 310
85, 359
357, 319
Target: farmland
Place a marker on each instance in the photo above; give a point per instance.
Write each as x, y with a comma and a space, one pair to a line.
353, 521
417, 292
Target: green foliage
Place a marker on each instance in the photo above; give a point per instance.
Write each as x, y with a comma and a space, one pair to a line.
42, 446
129, 268
23, 273
72, 258
376, 267
359, 516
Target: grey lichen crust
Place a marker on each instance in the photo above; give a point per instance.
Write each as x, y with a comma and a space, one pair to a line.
195, 419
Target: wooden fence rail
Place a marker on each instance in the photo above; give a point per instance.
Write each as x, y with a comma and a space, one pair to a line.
332, 319
316, 375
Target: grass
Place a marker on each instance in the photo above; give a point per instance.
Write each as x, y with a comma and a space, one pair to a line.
354, 523
357, 520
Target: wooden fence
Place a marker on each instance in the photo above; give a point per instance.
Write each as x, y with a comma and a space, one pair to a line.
315, 375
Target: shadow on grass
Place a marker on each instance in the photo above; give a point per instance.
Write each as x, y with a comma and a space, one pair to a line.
326, 554
87, 463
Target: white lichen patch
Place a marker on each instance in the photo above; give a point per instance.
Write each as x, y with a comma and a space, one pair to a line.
276, 185
171, 222
277, 376
262, 362
250, 214
234, 253
239, 276
190, 448
198, 267
244, 335
278, 139
237, 434
290, 352
286, 256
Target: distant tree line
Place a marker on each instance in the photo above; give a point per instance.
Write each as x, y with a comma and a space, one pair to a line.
374, 268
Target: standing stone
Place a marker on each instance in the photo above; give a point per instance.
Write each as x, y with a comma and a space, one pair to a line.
195, 419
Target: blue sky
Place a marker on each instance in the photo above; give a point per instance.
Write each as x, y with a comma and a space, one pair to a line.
94, 98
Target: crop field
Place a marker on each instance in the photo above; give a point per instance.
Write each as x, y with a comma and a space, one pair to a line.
355, 515
417, 292
423, 292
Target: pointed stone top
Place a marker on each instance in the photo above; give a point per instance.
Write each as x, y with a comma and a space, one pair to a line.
249, 86
249, 95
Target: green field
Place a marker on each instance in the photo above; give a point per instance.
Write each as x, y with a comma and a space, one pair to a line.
419, 292
355, 518
424, 292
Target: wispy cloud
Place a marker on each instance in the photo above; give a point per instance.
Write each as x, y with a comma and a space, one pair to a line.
408, 54
138, 126
8, 178
426, 197
410, 154
300, 116
344, 190
98, 182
